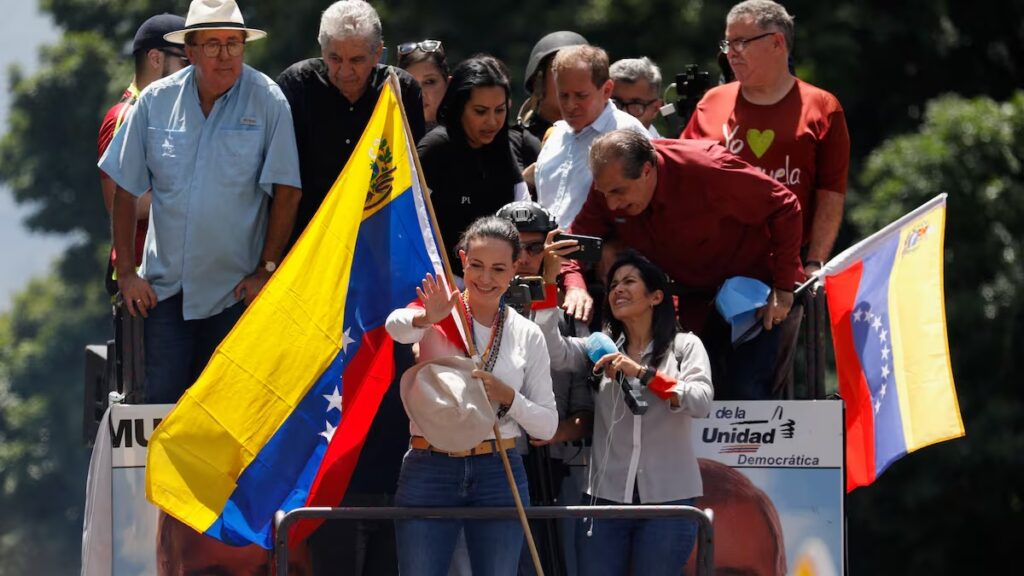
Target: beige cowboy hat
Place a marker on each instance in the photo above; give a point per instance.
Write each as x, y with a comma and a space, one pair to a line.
214, 15
449, 406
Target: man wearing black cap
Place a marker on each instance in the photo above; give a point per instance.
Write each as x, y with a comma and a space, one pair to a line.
154, 59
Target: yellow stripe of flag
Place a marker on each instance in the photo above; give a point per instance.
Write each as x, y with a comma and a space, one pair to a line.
920, 349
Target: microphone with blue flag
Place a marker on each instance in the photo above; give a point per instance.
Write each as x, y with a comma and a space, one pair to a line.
599, 345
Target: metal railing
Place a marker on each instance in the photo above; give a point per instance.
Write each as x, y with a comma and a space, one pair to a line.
705, 548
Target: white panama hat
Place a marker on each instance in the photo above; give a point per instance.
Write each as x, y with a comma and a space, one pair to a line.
449, 406
214, 15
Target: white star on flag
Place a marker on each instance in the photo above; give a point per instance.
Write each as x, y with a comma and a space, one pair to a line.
882, 334
333, 399
858, 315
885, 371
328, 432
876, 323
885, 352
347, 340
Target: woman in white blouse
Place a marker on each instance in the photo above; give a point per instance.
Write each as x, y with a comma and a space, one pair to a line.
517, 377
640, 459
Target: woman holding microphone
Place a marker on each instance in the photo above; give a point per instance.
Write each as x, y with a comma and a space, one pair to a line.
639, 456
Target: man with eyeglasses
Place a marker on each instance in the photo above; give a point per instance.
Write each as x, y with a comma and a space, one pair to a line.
215, 144
154, 58
637, 90
332, 97
790, 130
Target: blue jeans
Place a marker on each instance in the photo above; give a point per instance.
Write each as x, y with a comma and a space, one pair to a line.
177, 350
655, 547
429, 479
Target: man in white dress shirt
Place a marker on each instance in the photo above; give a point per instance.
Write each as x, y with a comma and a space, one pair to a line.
584, 87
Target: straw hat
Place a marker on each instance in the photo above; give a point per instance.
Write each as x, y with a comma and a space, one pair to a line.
448, 405
214, 15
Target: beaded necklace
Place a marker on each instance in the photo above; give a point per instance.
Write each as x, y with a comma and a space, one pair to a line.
490, 354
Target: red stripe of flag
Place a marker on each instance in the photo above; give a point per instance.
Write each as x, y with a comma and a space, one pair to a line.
364, 384
853, 386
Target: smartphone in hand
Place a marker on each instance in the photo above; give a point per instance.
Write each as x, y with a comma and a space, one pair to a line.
589, 247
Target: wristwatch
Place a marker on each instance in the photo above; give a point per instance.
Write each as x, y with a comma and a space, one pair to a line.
647, 374
268, 266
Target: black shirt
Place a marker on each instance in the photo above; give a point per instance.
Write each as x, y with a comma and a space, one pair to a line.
466, 183
328, 126
525, 146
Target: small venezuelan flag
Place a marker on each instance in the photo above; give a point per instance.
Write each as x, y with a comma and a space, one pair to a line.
885, 300
279, 415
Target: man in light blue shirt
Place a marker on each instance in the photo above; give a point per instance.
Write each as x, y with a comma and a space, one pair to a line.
584, 87
215, 143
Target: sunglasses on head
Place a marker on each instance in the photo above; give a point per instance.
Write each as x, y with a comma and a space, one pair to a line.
424, 45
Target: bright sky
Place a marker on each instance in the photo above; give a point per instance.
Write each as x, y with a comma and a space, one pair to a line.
22, 255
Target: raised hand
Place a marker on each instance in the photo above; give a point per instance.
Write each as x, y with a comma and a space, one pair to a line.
437, 300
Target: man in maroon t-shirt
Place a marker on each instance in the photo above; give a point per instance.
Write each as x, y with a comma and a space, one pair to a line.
154, 59
787, 128
703, 216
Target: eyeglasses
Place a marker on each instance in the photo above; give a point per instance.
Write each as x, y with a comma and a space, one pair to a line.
174, 54
740, 44
212, 49
633, 107
533, 248
425, 45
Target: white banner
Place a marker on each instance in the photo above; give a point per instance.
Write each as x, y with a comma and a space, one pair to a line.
784, 434
773, 479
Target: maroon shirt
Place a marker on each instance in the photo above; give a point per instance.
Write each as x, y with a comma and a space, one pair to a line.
712, 217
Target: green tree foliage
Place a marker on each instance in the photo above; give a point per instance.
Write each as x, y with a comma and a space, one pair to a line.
957, 508
54, 119
883, 60
42, 457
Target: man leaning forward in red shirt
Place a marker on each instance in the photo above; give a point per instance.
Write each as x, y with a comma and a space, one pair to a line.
790, 130
703, 216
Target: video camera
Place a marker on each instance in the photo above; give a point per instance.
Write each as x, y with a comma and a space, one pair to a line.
524, 290
690, 87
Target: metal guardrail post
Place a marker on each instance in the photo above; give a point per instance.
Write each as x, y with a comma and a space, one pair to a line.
815, 359
821, 319
705, 532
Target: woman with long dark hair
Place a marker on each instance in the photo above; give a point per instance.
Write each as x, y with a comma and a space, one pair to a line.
637, 458
467, 160
516, 376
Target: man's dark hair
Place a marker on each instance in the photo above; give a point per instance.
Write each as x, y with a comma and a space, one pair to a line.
664, 326
631, 147
141, 59
491, 227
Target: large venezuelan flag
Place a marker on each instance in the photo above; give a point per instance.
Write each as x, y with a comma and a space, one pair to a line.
885, 299
278, 417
